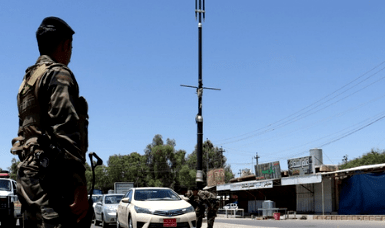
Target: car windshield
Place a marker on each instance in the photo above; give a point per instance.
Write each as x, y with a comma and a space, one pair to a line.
96, 198
113, 199
156, 194
5, 185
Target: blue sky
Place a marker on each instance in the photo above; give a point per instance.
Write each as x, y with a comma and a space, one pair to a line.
294, 75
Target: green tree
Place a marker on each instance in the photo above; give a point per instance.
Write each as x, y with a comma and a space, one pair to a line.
102, 181
14, 168
117, 170
137, 169
187, 176
160, 166
375, 156
128, 168
212, 158
164, 163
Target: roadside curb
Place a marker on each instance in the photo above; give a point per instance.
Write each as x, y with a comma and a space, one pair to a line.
225, 225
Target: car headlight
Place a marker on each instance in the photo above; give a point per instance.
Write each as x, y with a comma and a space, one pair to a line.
143, 210
188, 209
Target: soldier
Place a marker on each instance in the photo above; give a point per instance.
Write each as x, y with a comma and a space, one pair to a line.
52, 137
212, 204
198, 205
201, 199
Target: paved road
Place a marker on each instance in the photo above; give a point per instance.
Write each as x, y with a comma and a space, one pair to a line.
250, 223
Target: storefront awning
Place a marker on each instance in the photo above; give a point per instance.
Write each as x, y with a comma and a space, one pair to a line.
246, 185
307, 179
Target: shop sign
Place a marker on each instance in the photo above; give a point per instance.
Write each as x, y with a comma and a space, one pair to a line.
251, 185
268, 171
301, 166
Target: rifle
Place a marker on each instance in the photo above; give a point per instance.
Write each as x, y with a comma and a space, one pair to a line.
46, 158
87, 221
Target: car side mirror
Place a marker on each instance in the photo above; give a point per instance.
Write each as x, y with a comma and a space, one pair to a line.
126, 200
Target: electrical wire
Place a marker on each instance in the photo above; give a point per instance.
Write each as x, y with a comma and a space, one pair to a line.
308, 110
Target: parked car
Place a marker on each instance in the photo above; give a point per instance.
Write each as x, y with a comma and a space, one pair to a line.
105, 209
96, 198
10, 206
231, 206
154, 207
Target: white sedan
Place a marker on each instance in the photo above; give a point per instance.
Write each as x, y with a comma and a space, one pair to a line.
154, 207
105, 209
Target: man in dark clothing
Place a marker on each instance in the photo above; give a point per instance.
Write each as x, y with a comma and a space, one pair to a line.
198, 205
201, 199
52, 137
212, 204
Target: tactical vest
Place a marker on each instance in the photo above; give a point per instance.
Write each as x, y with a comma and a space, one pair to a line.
27, 102
31, 114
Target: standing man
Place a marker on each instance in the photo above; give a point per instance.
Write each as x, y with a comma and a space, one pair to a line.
198, 205
200, 200
52, 137
212, 204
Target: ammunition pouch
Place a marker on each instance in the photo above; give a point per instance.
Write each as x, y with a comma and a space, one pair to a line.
17, 147
49, 155
82, 110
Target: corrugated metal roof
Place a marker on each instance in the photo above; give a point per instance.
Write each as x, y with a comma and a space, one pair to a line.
359, 168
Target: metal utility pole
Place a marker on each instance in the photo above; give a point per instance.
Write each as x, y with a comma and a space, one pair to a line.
256, 158
221, 151
200, 12
207, 158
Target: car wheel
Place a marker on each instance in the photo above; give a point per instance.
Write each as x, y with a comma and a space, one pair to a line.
117, 223
104, 225
95, 222
130, 222
93, 217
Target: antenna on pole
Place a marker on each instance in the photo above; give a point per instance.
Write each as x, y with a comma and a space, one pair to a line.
256, 158
199, 11
221, 151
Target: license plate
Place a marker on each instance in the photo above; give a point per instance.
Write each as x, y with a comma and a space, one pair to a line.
169, 222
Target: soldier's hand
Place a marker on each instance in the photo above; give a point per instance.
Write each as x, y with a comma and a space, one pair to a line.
80, 204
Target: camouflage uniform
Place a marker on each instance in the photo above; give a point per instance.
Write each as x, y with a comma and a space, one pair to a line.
49, 103
204, 198
212, 203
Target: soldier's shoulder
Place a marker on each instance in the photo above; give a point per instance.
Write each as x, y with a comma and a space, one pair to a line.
60, 73
58, 67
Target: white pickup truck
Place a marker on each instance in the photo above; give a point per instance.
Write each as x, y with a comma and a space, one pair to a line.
10, 207
230, 206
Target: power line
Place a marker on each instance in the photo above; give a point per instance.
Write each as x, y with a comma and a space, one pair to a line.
312, 125
305, 112
344, 133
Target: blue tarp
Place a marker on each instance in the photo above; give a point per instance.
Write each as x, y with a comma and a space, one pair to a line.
363, 194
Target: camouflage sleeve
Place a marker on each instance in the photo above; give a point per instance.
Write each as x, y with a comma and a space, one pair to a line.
62, 92
190, 198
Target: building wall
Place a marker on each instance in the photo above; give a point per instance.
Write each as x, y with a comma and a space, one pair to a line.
305, 198
329, 196
254, 205
283, 196
309, 197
